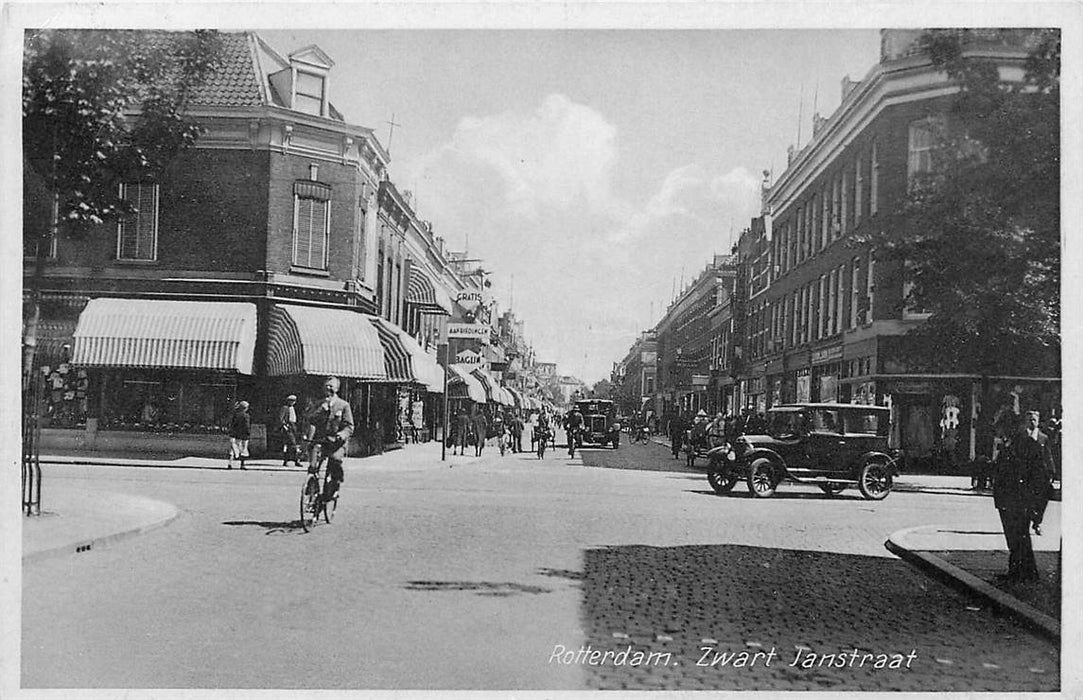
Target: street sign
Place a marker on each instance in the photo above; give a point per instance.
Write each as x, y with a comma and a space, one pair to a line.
476, 331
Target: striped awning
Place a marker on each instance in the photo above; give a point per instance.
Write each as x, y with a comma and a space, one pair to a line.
421, 366
426, 296
493, 390
165, 333
459, 378
517, 398
312, 340
396, 356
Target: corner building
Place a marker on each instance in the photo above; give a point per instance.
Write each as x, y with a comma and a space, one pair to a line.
261, 260
830, 323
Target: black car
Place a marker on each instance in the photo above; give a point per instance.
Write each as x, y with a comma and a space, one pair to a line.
600, 424
832, 445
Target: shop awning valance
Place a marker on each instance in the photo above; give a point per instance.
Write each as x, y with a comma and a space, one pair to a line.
517, 398
312, 340
493, 391
166, 333
425, 295
459, 375
396, 356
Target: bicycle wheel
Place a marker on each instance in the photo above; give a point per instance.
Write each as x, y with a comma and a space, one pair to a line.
310, 502
329, 506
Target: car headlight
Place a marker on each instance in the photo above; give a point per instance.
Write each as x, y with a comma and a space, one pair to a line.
731, 455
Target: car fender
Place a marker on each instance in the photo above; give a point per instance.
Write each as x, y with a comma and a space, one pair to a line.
762, 452
876, 455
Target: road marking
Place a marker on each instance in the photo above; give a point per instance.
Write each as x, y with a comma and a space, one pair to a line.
946, 662
709, 641
756, 645
620, 635
986, 664
1037, 670
663, 638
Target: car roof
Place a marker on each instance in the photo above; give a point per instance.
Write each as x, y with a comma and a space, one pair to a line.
835, 406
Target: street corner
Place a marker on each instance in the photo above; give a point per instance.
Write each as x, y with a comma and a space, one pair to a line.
76, 521
943, 552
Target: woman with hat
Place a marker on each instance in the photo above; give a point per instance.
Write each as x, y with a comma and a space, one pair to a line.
240, 429
287, 428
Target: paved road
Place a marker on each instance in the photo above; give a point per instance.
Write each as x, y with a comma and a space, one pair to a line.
495, 575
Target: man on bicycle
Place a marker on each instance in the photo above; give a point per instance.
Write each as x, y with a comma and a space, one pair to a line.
330, 426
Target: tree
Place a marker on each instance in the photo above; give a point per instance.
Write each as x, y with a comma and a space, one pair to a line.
979, 235
100, 108
602, 389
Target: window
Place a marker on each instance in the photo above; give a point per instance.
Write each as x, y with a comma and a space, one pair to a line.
841, 298
859, 423
311, 224
836, 209
859, 191
910, 309
825, 217
874, 181
922, 142
847, 202
821, 309
308, 93
832, 303
855, 290
137, 232
870, 287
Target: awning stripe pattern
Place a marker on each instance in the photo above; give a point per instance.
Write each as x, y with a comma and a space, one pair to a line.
166, 333
396, 356
517, 398
422, 293
459, 378
312, 340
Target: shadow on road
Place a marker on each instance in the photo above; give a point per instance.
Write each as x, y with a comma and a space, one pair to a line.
272, 527
487, 588
739, 492
675, 602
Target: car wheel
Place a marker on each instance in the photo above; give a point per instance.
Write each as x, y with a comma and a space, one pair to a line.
875, 480
721, 481
761, 478
833, 488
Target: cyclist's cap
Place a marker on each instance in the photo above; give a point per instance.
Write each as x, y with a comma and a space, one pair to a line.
242, 404
291, 397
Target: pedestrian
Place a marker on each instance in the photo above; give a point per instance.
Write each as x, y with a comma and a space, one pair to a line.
240, 430
677, 426
480, 425
462, 431
516, 433
287, 430
1034, 448
1020, 490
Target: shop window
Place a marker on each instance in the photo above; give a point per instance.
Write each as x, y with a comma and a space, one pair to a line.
64, 399
164, 401
137, 231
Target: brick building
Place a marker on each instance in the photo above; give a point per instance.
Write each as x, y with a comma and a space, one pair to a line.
828, 322
272, 253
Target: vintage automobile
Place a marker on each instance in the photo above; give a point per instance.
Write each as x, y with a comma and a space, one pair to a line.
600, 424
831, 445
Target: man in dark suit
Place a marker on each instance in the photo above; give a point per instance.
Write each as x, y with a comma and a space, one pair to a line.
1035, 445
1020, 493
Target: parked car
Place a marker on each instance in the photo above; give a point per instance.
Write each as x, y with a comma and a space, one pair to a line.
600, 424
832, 445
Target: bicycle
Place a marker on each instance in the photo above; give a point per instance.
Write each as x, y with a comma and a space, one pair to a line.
541, 437
314, 502
502, 442
573, 440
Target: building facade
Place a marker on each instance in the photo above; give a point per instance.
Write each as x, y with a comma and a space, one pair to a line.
270, 254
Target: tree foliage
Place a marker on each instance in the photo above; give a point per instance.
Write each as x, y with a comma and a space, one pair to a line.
103, 106
980, 234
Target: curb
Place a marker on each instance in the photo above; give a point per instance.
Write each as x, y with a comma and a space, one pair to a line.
86, 545
952, 575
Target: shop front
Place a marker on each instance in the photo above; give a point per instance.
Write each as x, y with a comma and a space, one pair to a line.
151, 375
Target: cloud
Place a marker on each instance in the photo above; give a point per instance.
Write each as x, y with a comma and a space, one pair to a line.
580, 263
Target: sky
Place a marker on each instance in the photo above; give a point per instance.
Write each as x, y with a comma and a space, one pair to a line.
591, 170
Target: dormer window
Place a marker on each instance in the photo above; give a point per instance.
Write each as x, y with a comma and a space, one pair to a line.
309, 93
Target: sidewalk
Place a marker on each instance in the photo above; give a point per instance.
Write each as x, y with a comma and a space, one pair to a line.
78, 521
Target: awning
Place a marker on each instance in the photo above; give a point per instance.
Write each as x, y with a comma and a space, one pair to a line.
423, 367
426, 296
517, 398
460, 376
165, 333
492, 387
312, 340
396, 356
